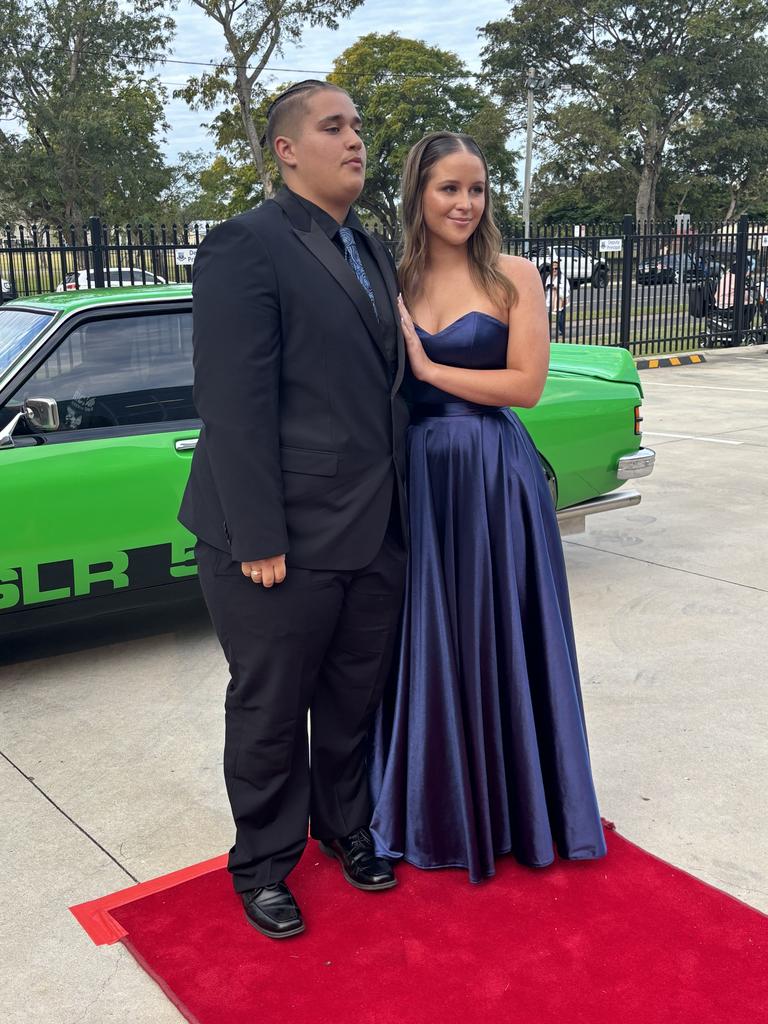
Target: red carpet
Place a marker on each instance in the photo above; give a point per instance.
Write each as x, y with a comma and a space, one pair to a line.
626, 940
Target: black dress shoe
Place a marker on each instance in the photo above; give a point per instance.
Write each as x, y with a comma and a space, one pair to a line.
272, 910
359, 863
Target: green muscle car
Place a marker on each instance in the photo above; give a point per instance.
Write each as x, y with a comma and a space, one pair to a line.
97, 430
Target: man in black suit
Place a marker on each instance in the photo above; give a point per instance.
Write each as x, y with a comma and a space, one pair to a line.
296, 498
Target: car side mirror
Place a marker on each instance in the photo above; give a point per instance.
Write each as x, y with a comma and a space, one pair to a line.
41, 414
37, 413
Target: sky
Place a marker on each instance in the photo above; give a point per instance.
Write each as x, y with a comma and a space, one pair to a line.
451, 25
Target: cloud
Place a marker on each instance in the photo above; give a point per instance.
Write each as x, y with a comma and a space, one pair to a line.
453, 25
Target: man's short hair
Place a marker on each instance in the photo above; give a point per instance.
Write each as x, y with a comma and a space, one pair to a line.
285, 110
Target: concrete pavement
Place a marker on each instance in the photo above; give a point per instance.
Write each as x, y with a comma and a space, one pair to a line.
111, 732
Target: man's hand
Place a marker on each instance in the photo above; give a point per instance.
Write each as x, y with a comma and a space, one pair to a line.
265, 571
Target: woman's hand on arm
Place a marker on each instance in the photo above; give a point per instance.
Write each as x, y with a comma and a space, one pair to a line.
421, 364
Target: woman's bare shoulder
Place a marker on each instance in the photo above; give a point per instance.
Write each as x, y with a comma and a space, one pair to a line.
519, 270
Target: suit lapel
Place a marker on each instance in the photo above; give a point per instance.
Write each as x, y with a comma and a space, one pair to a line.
323, 249
390, 280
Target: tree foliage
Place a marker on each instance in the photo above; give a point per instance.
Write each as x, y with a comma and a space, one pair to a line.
89, 122
626, 80
404, 89
726, 151
205, 189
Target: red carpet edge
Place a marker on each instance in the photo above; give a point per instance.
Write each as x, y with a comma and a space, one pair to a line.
95, 918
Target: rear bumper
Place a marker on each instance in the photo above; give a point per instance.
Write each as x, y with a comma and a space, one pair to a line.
573, 519
636, 464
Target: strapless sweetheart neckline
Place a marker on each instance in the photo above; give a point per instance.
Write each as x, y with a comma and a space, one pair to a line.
472, 312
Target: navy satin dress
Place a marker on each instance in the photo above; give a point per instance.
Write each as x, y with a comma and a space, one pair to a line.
480, 749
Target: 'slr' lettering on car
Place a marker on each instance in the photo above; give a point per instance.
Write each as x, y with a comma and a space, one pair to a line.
49, 582
25, 584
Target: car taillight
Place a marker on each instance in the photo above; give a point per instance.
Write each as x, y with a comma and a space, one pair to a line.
72, 287
638, 419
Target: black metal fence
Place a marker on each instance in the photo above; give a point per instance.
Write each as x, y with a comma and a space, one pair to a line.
36, 261
667, 287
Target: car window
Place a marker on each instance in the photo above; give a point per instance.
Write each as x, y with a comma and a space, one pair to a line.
128, 276
119, 372
18, 329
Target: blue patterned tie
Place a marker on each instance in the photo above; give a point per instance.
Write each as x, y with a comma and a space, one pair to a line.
352, 256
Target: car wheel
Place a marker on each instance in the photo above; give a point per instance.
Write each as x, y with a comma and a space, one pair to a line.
676, 277
600, 277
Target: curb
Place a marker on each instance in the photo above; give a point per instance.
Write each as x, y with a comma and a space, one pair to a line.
682, 360
716, 355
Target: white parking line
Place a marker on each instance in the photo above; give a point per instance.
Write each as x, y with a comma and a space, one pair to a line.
703, 387
689, 437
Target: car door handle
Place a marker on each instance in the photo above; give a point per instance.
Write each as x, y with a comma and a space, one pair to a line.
187, 445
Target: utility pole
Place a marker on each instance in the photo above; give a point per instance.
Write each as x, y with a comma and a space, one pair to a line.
530, 84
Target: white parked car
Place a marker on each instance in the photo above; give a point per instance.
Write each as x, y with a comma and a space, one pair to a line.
114, 277
578, 265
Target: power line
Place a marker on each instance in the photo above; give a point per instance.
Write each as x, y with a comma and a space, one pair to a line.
228, 66
314, 71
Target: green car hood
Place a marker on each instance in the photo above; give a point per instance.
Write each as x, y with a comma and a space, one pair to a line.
602, 362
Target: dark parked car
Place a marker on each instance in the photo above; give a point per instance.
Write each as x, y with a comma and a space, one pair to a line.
674, 267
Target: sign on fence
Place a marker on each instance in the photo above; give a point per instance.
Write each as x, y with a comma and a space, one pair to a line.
185, 257
610, 245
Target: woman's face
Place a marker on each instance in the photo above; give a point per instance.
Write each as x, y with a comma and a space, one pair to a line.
454, 197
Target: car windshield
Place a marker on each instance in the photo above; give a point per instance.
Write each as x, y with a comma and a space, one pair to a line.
18, 329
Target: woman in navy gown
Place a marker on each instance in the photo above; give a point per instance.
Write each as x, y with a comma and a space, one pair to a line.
481, 749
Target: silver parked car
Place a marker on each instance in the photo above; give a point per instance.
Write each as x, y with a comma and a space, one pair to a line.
114, 277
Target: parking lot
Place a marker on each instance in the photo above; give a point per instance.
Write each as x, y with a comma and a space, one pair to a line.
111, 733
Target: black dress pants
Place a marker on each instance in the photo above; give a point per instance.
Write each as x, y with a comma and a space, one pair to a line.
320, 642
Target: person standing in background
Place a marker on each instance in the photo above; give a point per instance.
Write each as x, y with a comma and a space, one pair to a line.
557, 288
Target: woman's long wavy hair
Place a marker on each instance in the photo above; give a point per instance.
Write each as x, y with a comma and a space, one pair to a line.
484, 245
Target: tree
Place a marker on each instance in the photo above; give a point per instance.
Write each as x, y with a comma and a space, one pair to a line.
212, 190
71, 76
639, 69
729, 148
255, 31
404, 89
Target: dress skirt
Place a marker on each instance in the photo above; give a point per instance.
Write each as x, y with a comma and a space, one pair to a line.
480, 747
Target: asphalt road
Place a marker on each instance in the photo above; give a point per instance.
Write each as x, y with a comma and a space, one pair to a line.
111, 733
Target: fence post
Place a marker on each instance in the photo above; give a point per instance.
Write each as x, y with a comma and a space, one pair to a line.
740, 279
11, 267
627, 250
97, 257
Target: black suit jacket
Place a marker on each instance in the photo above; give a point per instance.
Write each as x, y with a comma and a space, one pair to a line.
302, 446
